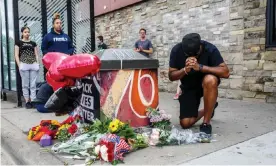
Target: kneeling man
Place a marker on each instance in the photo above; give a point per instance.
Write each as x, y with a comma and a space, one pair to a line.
199, 66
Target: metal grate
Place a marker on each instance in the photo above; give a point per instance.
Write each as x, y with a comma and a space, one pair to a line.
81, 30
30, 15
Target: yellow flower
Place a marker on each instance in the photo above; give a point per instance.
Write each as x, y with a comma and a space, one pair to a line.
122, 123
113, 127
30, 135
55, 122
65, 126
117, 121
36, 130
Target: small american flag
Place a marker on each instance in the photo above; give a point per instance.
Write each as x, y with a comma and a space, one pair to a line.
121, 146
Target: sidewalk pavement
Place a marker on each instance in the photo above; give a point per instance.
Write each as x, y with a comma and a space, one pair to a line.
234, 122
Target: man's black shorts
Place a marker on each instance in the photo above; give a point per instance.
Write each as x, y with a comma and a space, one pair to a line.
189, 101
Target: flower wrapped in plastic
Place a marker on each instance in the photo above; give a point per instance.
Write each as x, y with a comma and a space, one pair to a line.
112, 148
159, 119
78, 144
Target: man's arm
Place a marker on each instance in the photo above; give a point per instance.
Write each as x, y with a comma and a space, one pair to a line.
150, 51
221, 71
136, 46
216, 66
175, 74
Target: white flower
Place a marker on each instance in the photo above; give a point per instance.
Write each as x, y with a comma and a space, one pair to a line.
103, 151
97, 149
164, 116
162, 112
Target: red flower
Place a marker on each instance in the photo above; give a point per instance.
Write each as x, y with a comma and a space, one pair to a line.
110, 145
72, 129
44, 129
45, 122
51, 133
110, 157
34, 128
69, 120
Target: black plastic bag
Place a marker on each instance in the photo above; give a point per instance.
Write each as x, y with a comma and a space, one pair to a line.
57, 100
64, 100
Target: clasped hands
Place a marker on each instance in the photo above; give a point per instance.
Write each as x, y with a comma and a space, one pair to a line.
191, 63
140, 49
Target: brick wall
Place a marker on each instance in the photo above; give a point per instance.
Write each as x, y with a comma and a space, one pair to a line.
236, 27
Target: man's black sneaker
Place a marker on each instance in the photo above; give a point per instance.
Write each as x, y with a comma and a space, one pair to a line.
216, 105
206, 128
28, 105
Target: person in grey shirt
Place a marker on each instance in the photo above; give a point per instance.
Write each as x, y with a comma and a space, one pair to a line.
143, 45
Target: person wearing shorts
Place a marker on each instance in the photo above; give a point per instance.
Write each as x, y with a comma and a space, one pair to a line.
199, 66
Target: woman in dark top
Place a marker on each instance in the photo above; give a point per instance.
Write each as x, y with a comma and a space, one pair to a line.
26, 56
56, 40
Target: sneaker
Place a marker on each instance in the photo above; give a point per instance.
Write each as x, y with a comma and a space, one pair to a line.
28, 105
176, 96
206, 128
216, 105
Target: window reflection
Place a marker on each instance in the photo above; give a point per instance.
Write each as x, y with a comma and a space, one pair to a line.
4, 46
11, 46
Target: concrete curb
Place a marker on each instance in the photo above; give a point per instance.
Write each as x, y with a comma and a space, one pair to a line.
22, 150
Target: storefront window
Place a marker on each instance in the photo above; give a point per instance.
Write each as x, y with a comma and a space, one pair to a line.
11, 46
4, 46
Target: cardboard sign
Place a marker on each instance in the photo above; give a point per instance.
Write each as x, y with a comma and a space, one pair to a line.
90, 100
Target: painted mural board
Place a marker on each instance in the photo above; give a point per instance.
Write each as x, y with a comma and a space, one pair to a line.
126, 94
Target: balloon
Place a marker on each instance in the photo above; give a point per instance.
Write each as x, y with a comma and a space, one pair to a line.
51, 57
80, 65
59, 84
53, 72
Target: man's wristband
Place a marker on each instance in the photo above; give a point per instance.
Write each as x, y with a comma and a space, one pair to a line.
200, 67
184, 69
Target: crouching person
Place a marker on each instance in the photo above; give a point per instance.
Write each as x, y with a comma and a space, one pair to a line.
199, 66
44, 93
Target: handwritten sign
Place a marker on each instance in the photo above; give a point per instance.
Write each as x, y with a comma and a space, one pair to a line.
90, 100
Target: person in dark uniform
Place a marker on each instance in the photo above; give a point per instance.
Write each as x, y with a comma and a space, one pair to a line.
199, 66
101, 44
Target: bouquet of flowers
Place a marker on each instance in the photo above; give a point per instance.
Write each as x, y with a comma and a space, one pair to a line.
121, 129
48, 127
159, 119
53, 128
68, 128
98, 127
140, 142
111, 148
66, 131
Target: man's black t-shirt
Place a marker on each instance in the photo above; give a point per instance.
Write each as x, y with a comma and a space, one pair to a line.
209, 57
102, 46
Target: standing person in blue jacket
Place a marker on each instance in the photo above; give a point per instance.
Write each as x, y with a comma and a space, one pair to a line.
57, 40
